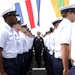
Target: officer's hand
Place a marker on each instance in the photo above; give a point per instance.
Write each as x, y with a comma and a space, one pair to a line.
65, 72
33, 48
43, 48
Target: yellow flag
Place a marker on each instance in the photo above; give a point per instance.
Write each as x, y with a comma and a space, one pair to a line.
57, 4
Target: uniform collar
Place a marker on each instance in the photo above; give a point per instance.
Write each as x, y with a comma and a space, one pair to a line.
38, 36
67, 20
8, 27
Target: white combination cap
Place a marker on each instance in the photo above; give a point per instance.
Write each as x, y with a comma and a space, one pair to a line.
67, 8
56, 20
9, 10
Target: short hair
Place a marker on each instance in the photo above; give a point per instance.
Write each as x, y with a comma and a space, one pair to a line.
38, 32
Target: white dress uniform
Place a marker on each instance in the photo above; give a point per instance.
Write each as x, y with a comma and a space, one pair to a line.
62, 35
29, 42
27, 45
51, 43
46, 41
19, 43
8, 42
24, 42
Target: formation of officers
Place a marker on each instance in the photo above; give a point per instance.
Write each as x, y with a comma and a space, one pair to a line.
17, 44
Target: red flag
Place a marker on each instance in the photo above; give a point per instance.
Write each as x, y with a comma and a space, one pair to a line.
30, 13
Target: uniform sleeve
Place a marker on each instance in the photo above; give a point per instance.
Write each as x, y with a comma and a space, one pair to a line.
65, 35
3, 38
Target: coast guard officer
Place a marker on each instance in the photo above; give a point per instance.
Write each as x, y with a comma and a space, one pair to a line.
38, 45
62, 41
51, 50
30, 51
25, 48
19, 45
52, 43
47, 51
8, 51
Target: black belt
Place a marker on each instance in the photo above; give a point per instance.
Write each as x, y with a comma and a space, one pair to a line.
19, 54
9, 58
25, 53
59, 59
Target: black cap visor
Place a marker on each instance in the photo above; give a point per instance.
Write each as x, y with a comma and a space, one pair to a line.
13, 13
